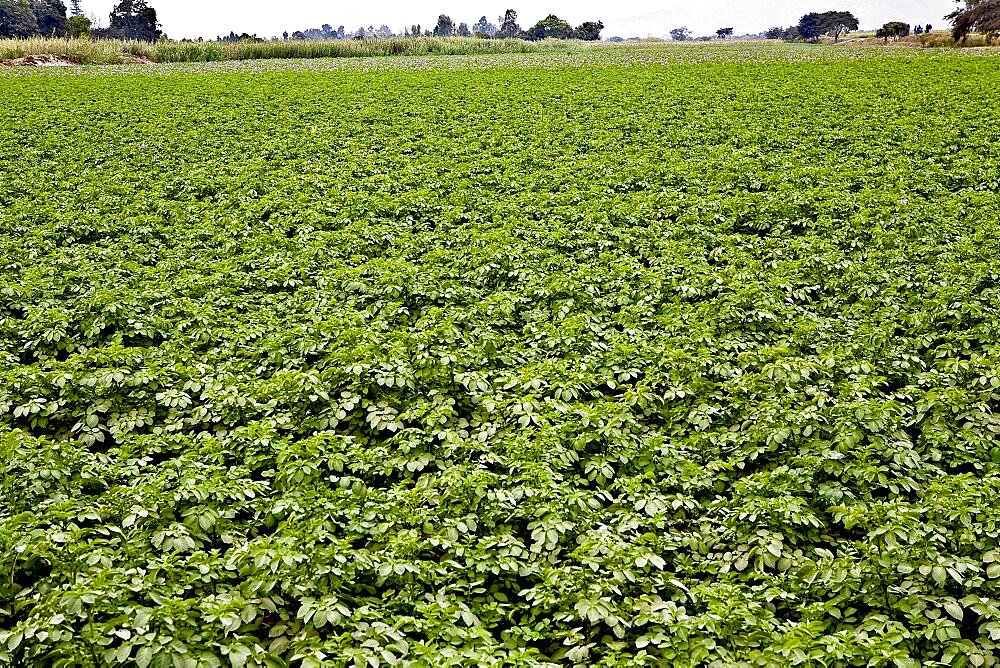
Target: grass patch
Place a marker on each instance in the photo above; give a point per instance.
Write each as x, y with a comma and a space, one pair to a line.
107, 52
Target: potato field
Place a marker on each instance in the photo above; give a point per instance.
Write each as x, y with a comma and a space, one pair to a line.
640, 356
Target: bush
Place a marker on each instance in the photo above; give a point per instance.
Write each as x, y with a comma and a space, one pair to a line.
78, 27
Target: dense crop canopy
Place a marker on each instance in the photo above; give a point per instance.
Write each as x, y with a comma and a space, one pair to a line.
635, 364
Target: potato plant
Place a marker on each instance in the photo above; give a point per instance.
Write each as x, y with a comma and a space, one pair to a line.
664, 360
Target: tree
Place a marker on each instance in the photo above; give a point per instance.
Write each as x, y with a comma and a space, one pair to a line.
982, 16
792, 34
893, 30
681, 34
484, 28
588, 31
78, 27
17, 19
508, 25
74, 8
445, 27
50, 16
134, 19
776, 32
723, 33
463, 30
810, 27
550, 27
836, 24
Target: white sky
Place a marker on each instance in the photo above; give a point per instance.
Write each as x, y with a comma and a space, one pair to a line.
627, 18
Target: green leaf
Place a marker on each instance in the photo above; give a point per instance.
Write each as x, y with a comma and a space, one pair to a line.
955, 610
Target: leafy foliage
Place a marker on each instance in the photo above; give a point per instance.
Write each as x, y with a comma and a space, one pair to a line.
509, 29
50, 16
78, 27
134, 19
836, 24
893, 30
588, 31
483, 28
550, 27
832, 23
17, 19
975, 15
445, 27
681, 34
680, 362
810, 26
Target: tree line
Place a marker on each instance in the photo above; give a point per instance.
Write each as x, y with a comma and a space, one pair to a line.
814, 25
982, 16
506, 27
129, 19
137, 20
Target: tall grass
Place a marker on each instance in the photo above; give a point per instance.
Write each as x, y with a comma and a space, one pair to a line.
396, 46
74, 50
101, 52
944, 39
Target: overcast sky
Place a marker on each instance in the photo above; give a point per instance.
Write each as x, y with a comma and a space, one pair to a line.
627, 18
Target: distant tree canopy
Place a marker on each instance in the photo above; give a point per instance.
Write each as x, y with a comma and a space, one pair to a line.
982, 16
78, 26
834, 24
17, 19
50, 15
792, 34
589, 31
445, 26
723, 33
553, 27
776, 32
134, 19
137, 20
681, 34
809, 26
484, 28
24, 18
508, 25
550, 27
243, 37
893, 30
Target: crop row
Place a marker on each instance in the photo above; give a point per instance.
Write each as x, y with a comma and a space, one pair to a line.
638, 364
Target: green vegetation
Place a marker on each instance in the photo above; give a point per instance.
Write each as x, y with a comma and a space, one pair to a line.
635, 356
981, 16
893, 30
103, 52
78, 27
832, 24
